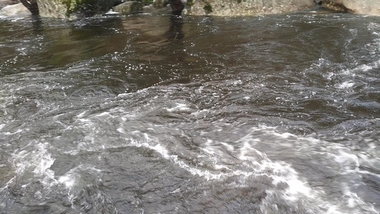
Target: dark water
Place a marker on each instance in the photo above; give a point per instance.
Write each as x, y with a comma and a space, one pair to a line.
153, 114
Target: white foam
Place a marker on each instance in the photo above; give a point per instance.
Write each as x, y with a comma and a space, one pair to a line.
353, 201
296, 188
254, 163
81, 115
366, 67
153, 145
39, 159
348, 161
281, 172
44, 162
34, 162
70, 178
228, 147
67, 180
209, 149
104, 114
179, 107
363, 68
111, 12
345, 85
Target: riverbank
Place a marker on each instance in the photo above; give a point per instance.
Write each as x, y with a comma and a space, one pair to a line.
57, 9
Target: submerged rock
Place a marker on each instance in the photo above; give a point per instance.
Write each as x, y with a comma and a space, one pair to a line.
369, 7
246, 7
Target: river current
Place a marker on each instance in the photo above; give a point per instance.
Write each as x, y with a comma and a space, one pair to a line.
158, 114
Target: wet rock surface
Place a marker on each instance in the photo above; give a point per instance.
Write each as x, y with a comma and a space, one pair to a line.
129, 7
70, 9
4, 3
369, 7
14, 10
248, 7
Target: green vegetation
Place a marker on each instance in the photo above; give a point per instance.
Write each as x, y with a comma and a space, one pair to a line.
83, 5
190, 2
207, 8
72, 5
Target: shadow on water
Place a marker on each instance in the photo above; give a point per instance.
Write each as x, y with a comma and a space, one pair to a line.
57, 44
83, 41
158, 38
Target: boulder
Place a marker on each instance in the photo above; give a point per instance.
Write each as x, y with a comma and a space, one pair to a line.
14, 10
246, 7
129, 7
369, 7
160, 3
71, 8
4, 3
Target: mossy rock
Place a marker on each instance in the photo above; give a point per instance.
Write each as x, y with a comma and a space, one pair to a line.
71, 8
129, 7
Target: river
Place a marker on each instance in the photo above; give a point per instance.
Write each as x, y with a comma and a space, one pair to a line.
156, 114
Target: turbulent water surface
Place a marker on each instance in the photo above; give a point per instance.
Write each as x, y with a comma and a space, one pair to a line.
155, 114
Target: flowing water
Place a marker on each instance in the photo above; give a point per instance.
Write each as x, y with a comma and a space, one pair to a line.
157, 114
